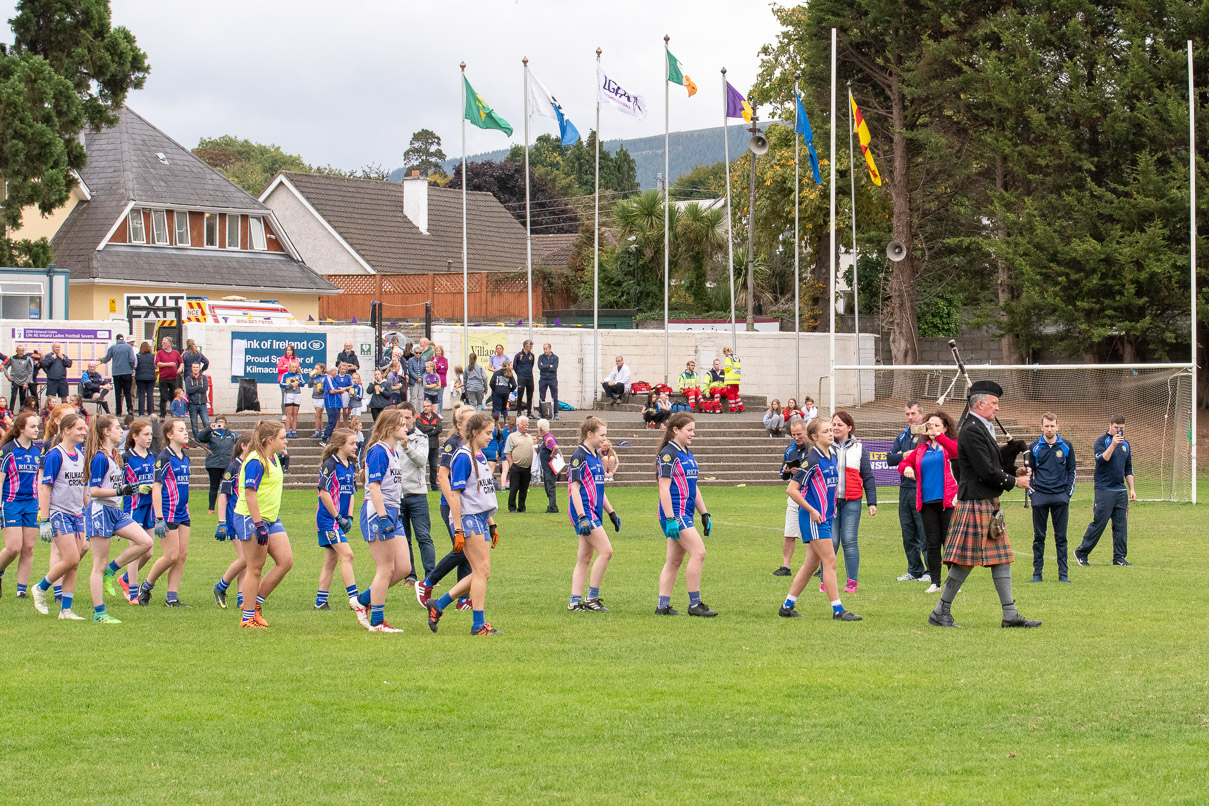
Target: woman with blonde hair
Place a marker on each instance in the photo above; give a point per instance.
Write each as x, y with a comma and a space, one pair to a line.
258, 523
679, 500
587, 505
61, 512
170, 501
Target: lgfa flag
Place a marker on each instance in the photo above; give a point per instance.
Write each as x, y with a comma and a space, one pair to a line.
675, 74
862, 135
609, 90
736, 105
541, 102
803, 128
481, 115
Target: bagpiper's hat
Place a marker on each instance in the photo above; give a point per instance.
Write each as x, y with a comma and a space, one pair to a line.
985, 388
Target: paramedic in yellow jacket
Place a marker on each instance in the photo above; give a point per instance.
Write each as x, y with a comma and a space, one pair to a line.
689, 385
732, 368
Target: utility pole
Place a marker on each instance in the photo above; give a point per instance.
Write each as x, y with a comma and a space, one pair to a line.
751, 223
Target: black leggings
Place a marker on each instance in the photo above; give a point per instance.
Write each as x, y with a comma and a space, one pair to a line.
146, 395
215, 474
936, 528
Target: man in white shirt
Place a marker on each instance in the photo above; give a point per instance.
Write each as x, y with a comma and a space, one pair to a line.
618, 382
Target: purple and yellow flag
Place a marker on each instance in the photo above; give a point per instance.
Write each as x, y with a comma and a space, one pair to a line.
736, 105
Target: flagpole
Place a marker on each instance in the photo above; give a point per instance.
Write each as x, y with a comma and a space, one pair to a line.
856, 298
1192, 252
596, 245
528, 219
797, 276
730, 235
667, 203
831, 248
465, 271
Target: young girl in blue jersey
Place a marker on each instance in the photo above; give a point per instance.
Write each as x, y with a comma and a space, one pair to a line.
106, 519
228, 497
472, 505
61, 511
679, 499
380, 523
170, 502
257, 520
586, 508
20, 465
333, 516
140, 471
812, 488
455, 559
49, 439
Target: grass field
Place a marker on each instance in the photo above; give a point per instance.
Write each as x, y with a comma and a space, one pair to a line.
1107, 703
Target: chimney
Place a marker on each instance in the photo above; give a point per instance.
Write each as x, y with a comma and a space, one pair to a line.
415, 200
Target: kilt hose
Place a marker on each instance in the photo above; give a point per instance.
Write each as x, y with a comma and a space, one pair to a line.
968, 543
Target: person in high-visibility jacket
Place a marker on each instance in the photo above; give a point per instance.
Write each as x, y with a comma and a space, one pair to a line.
689, 385
732, 368
715, 389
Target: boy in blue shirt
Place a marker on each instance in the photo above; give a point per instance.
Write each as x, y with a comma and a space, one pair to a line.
1052, 460
333, 403
1114, 490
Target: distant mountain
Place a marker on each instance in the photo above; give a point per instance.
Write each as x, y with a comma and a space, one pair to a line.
686, 151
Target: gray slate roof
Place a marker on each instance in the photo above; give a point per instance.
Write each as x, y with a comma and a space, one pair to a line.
368, 214
122, 167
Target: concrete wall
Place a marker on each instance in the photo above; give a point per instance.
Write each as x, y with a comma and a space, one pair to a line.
318, 247
768, 365
93, 301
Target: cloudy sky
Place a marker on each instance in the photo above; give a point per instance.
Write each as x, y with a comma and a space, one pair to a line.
346, 83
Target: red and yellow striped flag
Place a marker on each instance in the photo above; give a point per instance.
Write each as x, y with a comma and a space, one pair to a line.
862, 134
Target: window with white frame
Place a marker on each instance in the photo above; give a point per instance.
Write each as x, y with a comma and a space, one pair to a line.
211, 229
256, 233
137, 233
182, 227
232, 231
159, 226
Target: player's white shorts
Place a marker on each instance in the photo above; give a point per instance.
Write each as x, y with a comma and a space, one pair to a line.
791, 519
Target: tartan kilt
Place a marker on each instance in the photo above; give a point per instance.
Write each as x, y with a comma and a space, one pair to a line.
967, 542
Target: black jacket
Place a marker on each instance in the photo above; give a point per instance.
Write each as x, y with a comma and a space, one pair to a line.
144, 367
55, 367
501, 384
980, 468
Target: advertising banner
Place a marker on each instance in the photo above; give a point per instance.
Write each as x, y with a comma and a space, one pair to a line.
81, 345
254, 354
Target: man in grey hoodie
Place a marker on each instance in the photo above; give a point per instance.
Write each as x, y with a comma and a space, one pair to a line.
20, 373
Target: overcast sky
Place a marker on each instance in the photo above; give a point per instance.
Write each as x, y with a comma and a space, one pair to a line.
347, 83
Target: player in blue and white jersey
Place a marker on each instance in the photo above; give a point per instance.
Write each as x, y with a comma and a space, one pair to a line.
170, 502
61, 512
813, 490
140, 471
228, 498
333, 516
455, 559
679, 500
20, 467
586, 508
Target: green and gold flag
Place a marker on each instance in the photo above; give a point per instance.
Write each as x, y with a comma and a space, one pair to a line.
480, 114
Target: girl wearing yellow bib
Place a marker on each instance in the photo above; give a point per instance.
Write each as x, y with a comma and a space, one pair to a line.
257, 524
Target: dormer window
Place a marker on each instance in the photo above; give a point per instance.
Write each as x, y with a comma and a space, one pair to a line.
232, 231
137, 233
159, 227
256, 233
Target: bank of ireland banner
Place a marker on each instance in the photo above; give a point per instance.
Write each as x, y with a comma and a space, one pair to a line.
254, 354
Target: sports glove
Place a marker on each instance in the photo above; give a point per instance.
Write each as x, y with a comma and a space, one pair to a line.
671, 528
285, 462
583, 526
345, 523
495, 534
127, 489
262, 533
144, 489
459, 540
706, 523
616, 519
220, 532
161, 528
45, 530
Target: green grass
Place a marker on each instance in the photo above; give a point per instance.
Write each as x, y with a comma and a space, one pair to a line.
1107, 703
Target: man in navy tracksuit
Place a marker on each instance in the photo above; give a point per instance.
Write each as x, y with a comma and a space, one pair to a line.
547, 367
1114, 491
522, 365
1052, 460
908, 516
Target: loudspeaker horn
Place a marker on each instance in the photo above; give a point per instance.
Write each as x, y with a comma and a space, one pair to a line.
896, 251
758, 145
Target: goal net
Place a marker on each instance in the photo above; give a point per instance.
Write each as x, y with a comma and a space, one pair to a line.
1156, 401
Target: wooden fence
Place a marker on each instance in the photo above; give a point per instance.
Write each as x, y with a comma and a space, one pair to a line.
491, 296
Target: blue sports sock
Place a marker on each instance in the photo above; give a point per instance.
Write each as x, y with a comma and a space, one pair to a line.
67, 600
363, 599
44, 584
593, 593
171, 596
351, 590
223, 585
113, 566
320, 598
377, 614
576, 599
445, 601
791, 600
20, 588
248, 615
463, 600
694, 597
98, 610
836, 607
147, 586
58, 590
259, 600
665, 601
126, 578
479, 619
239, 599
426, 583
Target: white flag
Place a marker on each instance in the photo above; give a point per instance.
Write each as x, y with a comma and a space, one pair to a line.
609, 90
541, 102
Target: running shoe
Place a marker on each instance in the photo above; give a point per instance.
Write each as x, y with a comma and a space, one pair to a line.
434, 617
362, 614
384, 627
423, 593
1064, 579
850, 587
788, 612
353, 604
260, 618
667, 611
1036, 578
934, 588
702, 609
124, 584
67, 615
595, 604
1019, 621
39, 600
134, 597
925, 578
574, 606
220, 597
324, 606
845, 615
1081, 560
105, 618
1123, 563
905, 578
176, 603
252, 624
107, 579
486, 629
783, 571
24, 595
144, 597
464, 604
942, 620
822, 588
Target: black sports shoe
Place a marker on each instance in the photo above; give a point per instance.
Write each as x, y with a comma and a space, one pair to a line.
574, 606
1124, 563
551, 510
1080, 559
220, 597
783, 571
939, 620
144, 596
177, 603
512, 510
595, 604
486, 629
788, 612
667, 611
22, 594
324, 606
701, 609
845, 615
1020, 621
434, 616
58, 598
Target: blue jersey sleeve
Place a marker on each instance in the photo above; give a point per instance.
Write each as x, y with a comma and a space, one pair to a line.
98, 470
800, 476
51, 465
377, 465
326, 473
459, 472
253, 474
575, 470
448, 451
665, 463
229, 479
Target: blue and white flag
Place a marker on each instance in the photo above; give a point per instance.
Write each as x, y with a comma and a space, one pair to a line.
541, 102
609, 90
803, 128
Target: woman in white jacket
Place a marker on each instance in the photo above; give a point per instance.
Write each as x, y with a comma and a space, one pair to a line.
855, 479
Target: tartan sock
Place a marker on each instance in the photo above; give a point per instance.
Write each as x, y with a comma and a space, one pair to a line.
957, 575
1002, 576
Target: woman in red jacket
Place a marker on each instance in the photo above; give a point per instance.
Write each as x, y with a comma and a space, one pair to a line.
930, 465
